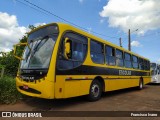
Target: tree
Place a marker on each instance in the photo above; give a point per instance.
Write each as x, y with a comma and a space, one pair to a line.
20, 49
31, 27
10, 64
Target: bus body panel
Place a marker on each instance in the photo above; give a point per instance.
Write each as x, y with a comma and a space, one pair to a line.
116, 83
78, 85
47, 91
147, 80
70, 86
120, 83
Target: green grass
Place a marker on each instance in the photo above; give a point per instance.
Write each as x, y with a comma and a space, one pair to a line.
8, 91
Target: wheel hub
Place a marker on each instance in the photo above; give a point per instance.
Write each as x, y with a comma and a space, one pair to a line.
95, 90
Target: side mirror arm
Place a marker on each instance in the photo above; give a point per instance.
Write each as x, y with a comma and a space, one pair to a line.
15, 49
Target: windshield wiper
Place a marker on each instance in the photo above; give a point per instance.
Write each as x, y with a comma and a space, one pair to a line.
27, 56
36, 48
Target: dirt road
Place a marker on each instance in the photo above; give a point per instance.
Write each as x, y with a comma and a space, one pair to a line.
147, 99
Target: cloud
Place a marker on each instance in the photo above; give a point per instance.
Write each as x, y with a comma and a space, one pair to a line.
10, 31
143, 15
136, 44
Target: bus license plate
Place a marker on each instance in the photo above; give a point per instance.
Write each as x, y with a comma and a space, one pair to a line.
25, 86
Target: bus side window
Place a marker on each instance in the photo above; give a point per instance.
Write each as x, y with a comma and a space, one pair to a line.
135, 62
97, 52
141, 64
146, 64
110, 55
127, 61
78, 51
119, 58
158, 69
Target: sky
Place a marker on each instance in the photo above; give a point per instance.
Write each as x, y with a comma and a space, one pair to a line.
107, 19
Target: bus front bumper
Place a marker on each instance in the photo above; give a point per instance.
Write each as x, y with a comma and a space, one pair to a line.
42, 88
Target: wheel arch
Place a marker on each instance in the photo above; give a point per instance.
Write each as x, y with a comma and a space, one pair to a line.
101, 80
141, 78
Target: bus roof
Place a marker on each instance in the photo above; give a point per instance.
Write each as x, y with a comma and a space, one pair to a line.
72, 28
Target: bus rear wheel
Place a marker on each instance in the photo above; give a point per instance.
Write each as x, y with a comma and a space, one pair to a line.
95, 91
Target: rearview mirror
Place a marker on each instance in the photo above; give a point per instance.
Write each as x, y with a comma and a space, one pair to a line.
67, 48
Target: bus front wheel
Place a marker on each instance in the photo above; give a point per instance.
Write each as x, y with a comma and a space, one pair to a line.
95, 91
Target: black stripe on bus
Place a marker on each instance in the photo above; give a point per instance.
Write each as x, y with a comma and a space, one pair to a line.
78, 79
118, 78
103, 78
92, 70
92, 79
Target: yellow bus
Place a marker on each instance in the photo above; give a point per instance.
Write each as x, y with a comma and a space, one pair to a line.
61, 61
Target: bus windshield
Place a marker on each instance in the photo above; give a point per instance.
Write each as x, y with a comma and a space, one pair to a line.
39, 51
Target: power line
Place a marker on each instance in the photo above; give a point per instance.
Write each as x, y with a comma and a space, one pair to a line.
134, 31
32, 7
40, 9
130, 33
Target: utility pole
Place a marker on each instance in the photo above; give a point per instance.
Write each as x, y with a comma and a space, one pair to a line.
120, 42
129, 40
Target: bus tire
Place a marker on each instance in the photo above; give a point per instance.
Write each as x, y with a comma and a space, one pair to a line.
95, 91
140, 87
